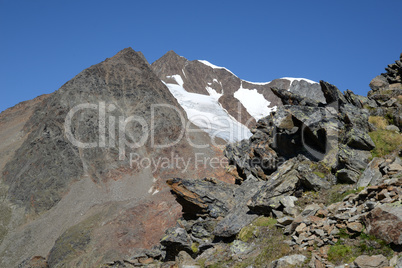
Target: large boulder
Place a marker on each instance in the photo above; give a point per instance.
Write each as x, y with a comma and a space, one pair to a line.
385, 222
376, 261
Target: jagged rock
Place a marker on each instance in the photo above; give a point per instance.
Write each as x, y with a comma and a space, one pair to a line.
176, 240
288, 261
285, 220
307, 90
184, 260
371, 174
332, 93
355, 100
385, 222
289, 98
239, 215
347, 176
353, 160
358, 139
285, 182
379, 83
376, 261
203, 197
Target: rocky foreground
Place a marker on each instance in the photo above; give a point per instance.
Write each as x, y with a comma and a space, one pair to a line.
319, 184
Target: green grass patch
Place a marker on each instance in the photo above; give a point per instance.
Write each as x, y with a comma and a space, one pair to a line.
265, 222
348, 248
340, 253
194, 247
247, 233
335, 194
319, 174
385, 142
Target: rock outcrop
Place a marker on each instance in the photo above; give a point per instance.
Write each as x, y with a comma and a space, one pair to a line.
335, 133
386, 94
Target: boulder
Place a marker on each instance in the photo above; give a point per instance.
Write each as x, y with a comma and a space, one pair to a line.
359, 139
371, 174
207, 196
176, 240
290, 98
239, 216
385, 222
378, 83
392, 128
332, 93
376, 261
288, 261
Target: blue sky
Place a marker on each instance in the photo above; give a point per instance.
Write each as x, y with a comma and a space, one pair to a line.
43, 44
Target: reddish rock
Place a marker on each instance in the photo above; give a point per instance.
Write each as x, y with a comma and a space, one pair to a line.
385, 222
356, 227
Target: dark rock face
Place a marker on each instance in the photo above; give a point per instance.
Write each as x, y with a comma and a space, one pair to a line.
335, 134
307, 90
47, 175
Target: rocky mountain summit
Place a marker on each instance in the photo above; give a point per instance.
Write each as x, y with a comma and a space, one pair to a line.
312, 190
58, 196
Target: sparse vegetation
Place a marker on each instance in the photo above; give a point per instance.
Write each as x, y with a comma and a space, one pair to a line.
348, 248
385, 142
265, 222
378, 121
194, 247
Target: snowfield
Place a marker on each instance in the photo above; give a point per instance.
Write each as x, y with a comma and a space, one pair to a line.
206, 112
255, 103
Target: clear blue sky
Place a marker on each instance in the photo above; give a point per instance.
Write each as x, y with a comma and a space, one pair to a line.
43, 44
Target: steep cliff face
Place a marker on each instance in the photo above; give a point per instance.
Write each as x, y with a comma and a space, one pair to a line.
90, 155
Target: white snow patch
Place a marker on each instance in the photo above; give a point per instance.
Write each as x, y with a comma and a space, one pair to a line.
150, 190
299, 79
214, 66
215, 80
177, 78
257, 83
212, 92
156, 191
207, 113
255, 103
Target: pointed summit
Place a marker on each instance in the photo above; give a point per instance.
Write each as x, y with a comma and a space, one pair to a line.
168, 64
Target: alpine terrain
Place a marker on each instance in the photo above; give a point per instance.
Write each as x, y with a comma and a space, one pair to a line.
181, 163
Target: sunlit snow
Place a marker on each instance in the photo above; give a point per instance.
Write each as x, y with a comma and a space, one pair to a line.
214, 66
255, 103
291, 79
207, 113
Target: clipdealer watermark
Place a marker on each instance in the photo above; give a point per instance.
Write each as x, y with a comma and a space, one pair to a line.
116, 128
114, 132
176, 162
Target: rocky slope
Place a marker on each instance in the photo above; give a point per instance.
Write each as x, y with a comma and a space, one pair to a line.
77, 205
238, 102
308, 193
